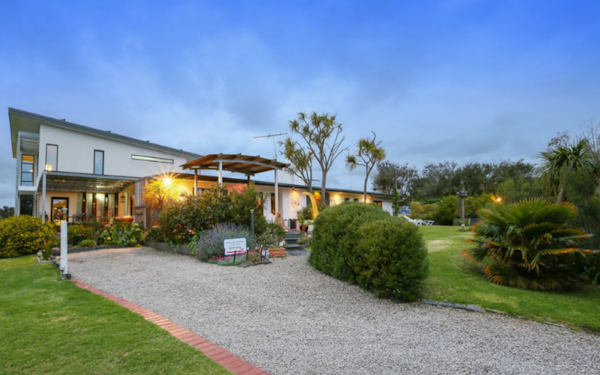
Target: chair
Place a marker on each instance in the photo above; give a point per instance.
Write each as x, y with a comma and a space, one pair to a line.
414, 221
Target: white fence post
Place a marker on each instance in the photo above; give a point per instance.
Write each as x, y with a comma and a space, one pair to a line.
64, 266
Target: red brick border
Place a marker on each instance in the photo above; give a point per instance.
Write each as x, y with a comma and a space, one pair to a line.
226, 359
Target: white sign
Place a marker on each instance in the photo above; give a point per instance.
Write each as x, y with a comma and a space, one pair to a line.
235, 246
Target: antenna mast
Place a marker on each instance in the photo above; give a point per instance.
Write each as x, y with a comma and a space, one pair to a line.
273, 137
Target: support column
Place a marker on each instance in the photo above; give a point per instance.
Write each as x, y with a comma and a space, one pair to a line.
17, 198
276, 194
220, 174
195, 182
43, 196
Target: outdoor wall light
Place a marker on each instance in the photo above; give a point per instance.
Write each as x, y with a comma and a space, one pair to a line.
122, 199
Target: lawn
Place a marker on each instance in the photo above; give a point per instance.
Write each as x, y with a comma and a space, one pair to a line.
454, 279
51, 326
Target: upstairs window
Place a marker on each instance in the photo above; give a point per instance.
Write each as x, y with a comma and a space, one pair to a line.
98, 162
27, 162
51, 157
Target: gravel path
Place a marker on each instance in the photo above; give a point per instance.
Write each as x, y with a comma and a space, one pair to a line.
290, 319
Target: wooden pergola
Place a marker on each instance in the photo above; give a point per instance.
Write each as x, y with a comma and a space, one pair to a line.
237, 163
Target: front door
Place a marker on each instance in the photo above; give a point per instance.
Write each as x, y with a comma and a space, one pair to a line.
60, 209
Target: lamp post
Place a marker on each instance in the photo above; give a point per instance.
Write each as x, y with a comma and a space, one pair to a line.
462, 194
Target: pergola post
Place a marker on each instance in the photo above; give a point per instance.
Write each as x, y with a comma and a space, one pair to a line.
220, 174
43, 196
276, 194
195, 182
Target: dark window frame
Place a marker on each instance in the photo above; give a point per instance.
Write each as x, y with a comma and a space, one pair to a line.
102, 151
52, 206
32, 173
55, 168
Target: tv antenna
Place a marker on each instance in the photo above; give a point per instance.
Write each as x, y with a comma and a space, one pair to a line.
273, 137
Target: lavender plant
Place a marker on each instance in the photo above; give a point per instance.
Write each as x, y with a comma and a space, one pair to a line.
209, 243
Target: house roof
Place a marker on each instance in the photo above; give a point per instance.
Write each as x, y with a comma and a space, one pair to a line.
23, 121
246, 164
85, 182
185, 176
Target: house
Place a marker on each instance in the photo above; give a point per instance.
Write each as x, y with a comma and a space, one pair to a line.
67, 171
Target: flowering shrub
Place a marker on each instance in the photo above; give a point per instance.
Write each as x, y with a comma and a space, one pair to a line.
121, 233
210, 242
304, 239
78, 233
22, 235
272, 236
87, 243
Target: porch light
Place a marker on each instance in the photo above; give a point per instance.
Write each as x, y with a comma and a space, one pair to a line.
167, 181
122, 199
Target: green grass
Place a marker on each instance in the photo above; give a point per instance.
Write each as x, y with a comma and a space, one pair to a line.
50, 326
452, 278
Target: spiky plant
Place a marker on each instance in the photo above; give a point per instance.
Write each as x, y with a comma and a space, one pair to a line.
528, 245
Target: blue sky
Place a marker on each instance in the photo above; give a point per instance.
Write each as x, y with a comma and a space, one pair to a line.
467, 80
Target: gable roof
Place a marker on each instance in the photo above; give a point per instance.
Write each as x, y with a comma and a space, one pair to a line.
30, 122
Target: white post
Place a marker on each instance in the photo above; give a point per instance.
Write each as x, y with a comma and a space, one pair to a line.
43, 196
19, 166
63, 248
276, 194
195, 182
220, 173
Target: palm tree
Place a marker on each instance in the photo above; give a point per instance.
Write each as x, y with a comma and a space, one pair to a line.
369, 154
528, 245
558, 162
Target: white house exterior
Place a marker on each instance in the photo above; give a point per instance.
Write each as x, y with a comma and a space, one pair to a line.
74, 172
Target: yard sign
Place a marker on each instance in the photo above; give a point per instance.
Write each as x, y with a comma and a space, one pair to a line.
235, 246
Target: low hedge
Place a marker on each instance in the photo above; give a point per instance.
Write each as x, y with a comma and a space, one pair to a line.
391, 259
22, 235
364, 245
335, 235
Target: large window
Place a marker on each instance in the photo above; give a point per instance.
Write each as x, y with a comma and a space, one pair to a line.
60, 209
98, 162
26, 205
51, 157
27, 162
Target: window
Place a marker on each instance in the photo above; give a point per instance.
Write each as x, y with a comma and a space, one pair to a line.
27, 162
51, 157
152, 158
26, 205
60, 209
98, 162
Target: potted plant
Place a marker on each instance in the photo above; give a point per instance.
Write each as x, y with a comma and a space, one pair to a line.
273, 238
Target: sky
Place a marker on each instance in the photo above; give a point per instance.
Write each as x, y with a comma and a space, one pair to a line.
462, 80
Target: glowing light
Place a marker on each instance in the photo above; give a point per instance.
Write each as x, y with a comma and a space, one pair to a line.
167, 181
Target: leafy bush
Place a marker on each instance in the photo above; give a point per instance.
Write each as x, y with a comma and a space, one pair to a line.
272, 236
528, 245
335, 236
22, 235
210, 242
121, 233
391, 259
243, 201
305, 239
78, 233
427, 211
154, 234
87, 243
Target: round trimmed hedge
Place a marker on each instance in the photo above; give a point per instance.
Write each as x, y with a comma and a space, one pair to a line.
22, 235
391, 259
364, 245
335, 235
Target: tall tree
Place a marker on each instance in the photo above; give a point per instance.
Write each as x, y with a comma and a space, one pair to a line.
368, 155
322, 135
300, 161
559, 160
6, 212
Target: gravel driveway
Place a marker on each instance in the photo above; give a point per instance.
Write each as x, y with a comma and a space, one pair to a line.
290, 319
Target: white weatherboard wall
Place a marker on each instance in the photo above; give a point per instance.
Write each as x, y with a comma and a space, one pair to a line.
76, 154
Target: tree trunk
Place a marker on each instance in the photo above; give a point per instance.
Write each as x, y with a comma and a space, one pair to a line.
561, 191
323, 188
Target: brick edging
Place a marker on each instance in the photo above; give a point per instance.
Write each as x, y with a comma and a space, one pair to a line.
223, 357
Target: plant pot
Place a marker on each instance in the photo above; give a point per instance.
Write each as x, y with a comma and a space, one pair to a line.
277, 252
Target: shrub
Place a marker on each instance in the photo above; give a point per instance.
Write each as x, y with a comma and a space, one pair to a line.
272, 236
391, 259
243, 201
87, 243
528, 245
78, 233
305, 239
121, 233
210, 242
335, 236
154, 234
22, 235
